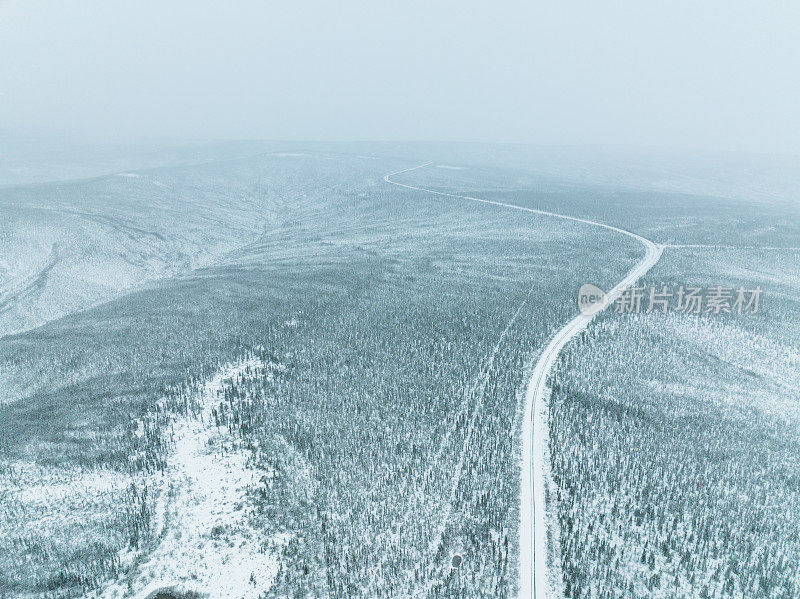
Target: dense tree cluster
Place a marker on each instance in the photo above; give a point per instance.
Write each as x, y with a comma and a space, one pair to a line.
388, 445
387, 439
672, 479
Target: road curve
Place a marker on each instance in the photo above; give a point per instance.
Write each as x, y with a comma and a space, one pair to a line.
533, 577
534, 581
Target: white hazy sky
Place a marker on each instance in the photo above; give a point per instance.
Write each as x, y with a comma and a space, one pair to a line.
710, 74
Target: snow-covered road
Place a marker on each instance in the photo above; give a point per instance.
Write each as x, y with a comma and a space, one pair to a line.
534, 580
533, 563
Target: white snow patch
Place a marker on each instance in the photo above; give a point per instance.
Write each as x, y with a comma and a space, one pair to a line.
131, 175
206, 543
452, 168
48, 488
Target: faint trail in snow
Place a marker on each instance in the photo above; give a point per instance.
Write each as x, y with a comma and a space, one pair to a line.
481, 380
534, 579
476, 391
436, 543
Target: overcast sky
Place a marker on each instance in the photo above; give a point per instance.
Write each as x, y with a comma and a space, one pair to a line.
708, 74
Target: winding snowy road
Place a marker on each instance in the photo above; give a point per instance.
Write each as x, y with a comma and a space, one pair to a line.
534, 580
533, 576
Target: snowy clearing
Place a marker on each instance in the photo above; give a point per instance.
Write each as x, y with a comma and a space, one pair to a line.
205, 542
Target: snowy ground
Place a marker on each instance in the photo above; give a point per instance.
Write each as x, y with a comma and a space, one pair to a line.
205, 542
68, 246
379, 524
